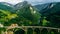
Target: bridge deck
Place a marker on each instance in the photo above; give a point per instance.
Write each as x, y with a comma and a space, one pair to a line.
31, 27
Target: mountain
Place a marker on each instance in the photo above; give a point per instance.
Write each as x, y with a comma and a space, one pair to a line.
6, 6
55, 7
26, 14
27, 11
51, 13
45, 7
5, 3
41, 6
21, 4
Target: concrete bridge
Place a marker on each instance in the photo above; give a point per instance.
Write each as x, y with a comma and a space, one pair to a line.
34, 28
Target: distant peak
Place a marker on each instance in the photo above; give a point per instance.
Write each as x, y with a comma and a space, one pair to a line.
25, 2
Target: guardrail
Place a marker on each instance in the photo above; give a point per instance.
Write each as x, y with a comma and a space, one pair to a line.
25, 28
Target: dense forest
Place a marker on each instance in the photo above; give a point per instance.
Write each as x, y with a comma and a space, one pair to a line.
24, 14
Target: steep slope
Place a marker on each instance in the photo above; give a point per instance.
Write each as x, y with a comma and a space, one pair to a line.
41, 6
6, 6
21, 4
44, 7
7, 13
28, 12
51, 13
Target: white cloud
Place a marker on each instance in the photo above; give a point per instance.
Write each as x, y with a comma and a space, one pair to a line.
11, 1
33, 2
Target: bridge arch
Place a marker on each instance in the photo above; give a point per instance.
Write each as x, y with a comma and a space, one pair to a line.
44, 30
54, 31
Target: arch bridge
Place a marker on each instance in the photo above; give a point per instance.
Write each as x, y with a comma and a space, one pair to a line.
34, 29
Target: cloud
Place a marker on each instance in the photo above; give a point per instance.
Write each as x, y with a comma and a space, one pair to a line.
33, 2
11, 1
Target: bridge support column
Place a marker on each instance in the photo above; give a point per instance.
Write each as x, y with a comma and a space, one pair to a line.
58, 31
33, 30
49, 31
40, 30
25, 29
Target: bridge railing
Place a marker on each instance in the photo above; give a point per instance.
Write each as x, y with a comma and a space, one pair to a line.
10, 30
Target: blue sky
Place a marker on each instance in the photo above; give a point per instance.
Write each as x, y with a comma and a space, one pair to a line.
33, 2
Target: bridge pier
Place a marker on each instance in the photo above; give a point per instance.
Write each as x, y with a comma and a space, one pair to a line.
33, 30
40, 30
26, 30
58, 31
49, 30
30, 31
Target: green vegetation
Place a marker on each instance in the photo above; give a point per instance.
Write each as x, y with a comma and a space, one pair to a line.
28, 15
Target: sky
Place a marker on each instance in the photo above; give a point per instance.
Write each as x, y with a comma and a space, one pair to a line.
33, 2
11, 1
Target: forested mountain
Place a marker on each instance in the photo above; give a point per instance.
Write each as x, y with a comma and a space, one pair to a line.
28, 13
25, 14
42, 6
6, 6
51, 13
22, 13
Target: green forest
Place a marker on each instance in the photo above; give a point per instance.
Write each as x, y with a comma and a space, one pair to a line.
28, 15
